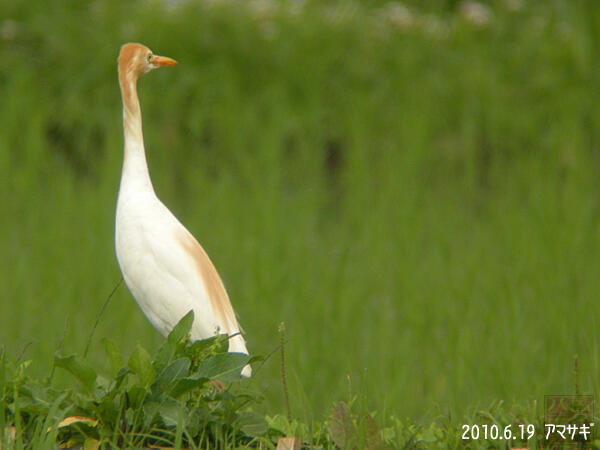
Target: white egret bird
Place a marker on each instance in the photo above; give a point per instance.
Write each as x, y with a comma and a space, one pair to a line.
166, 269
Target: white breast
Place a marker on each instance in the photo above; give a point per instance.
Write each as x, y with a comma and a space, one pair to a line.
158, 271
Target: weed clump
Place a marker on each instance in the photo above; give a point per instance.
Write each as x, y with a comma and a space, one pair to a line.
187, 394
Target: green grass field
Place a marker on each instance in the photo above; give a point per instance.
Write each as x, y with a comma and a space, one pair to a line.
418, 200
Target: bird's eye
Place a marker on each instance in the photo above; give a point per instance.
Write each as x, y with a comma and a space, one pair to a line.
149, 57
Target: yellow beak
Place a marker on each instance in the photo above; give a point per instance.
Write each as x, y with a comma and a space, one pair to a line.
163, 61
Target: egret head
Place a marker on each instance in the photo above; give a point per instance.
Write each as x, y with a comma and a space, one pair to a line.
136, 59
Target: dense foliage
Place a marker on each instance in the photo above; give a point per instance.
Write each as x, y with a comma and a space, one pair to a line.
165, 400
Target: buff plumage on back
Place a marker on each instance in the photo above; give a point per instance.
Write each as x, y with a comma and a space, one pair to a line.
212, 282
164, 266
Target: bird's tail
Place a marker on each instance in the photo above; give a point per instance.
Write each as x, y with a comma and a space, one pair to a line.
238, 345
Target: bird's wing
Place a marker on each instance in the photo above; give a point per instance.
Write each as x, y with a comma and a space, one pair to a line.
178, 253
211, 280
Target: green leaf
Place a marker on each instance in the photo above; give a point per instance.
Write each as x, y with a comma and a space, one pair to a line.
182, 329
171, 412
176, 370
38, 393
114, 355
286, 428
139, 362
91, 444
255, 359
106, 410
224, 366
164, 355
218, 343
185, 385
80, 369
136, 396
253, 424
121, 376
150, 410
279, 423
170, 374
27, 404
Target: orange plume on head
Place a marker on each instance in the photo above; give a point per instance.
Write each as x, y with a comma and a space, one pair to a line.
128, 56
129, 50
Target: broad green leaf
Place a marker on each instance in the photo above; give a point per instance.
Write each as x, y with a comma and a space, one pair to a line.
293, 428
171, 411
164, 355
104, 383
196, 421
279, 423
224, 366
182, 329
121, 376
255, 359
214, 344
169, 375
80, 369
253, 424
185, 385
139, 362
177, 369
106, 409
150, 410
114, 355
27, 404
39, 394
91, 444
136, 396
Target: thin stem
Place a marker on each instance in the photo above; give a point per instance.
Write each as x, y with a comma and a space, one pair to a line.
89, 341
283, 375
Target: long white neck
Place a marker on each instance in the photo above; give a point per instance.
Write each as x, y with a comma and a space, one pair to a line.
135, 169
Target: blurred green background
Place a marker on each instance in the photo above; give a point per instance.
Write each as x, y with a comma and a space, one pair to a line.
414, 189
